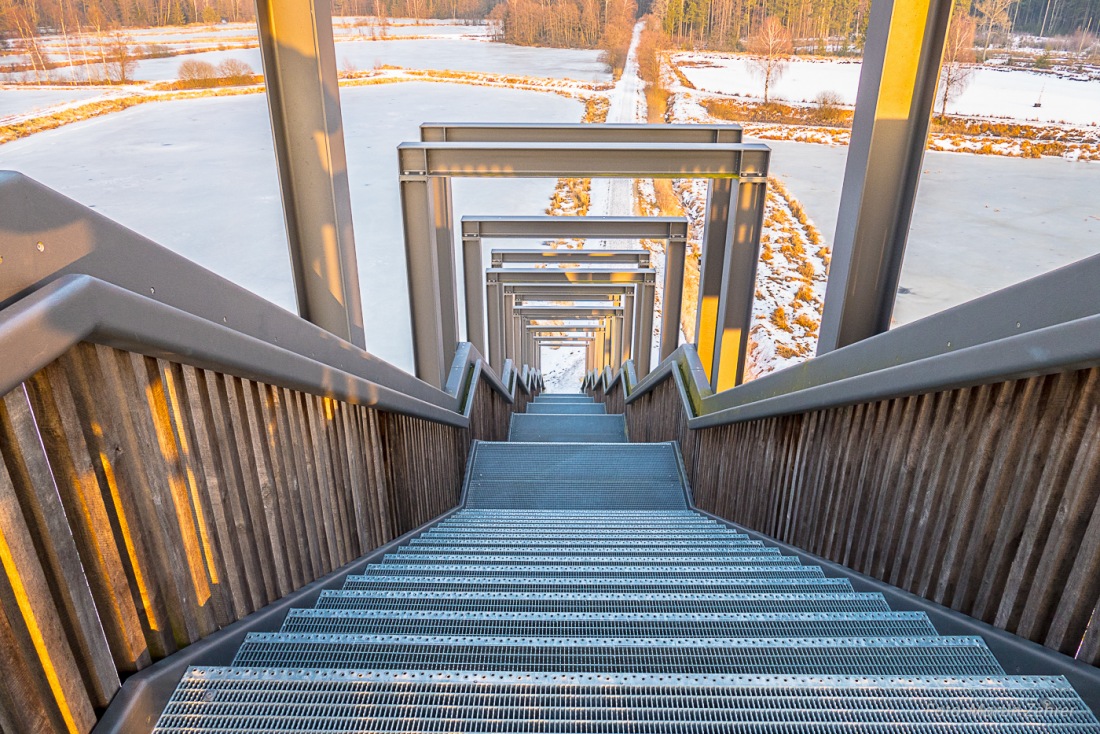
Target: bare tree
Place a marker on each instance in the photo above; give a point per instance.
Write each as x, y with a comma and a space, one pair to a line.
770, 47
958, 54
120, 61
995, 17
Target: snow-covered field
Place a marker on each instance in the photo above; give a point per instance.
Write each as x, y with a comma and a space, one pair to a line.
199, 176
445, 53
992, 91
16, 101
980, 223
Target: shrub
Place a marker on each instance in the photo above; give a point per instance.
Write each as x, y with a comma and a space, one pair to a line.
779, 318
194, 73
806, 322
829, 110
235, 72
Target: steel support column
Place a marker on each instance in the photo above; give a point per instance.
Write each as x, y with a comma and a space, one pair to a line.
299, 64
897, 88
630, 343
739, 283
616, 341
673, 295
643, 355
711, 261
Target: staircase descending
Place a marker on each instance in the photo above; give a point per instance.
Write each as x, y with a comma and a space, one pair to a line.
577, 591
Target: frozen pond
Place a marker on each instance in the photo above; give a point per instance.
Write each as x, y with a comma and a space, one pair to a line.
992, 91
456, 54
198, 176
15, 101
980, 223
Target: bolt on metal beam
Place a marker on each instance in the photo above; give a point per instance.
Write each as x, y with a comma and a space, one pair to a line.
897, 89
299, 64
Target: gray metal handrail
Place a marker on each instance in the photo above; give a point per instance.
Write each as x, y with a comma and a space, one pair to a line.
71, 275
1047, 324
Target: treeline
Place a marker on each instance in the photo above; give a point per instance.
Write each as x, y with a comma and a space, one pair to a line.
24, 18
606, 24
840, 26
815, 25
1054, 17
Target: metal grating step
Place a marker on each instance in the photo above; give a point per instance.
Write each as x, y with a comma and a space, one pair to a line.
743, 555
537, 552
566, 408
643, 518
567, 428
340, 702
534, 624
601, 585
603, 603
575, 476
765, 570
587, 538
945, 656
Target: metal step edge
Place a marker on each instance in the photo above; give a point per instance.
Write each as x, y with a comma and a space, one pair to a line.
616, 617
571, 596
680, 643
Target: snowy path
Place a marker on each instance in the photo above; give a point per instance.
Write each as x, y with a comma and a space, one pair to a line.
615, 197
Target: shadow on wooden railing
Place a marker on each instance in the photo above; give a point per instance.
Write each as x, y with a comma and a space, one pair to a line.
970, 478
167, 470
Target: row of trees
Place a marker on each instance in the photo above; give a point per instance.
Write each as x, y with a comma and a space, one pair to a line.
18, 17
840, 25
605, 24
822, 25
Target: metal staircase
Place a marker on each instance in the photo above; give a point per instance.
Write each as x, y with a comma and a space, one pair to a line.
578, 591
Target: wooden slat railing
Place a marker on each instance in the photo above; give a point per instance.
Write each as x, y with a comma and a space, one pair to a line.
145, 504
985, 499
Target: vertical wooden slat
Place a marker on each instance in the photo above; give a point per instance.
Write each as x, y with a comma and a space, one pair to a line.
27, 604
71, 464
163, 480
1056, 474
260, 531
194, 478
257, 576
1008, 462
325, 490
113, 455
1080, 499
256, 430
280, 451
218, 486
40, 503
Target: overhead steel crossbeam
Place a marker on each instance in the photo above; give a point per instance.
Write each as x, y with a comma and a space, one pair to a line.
573, 132
612, 331
427, 168
607, 332
640, 324
673, 231
633, 331
501, 258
